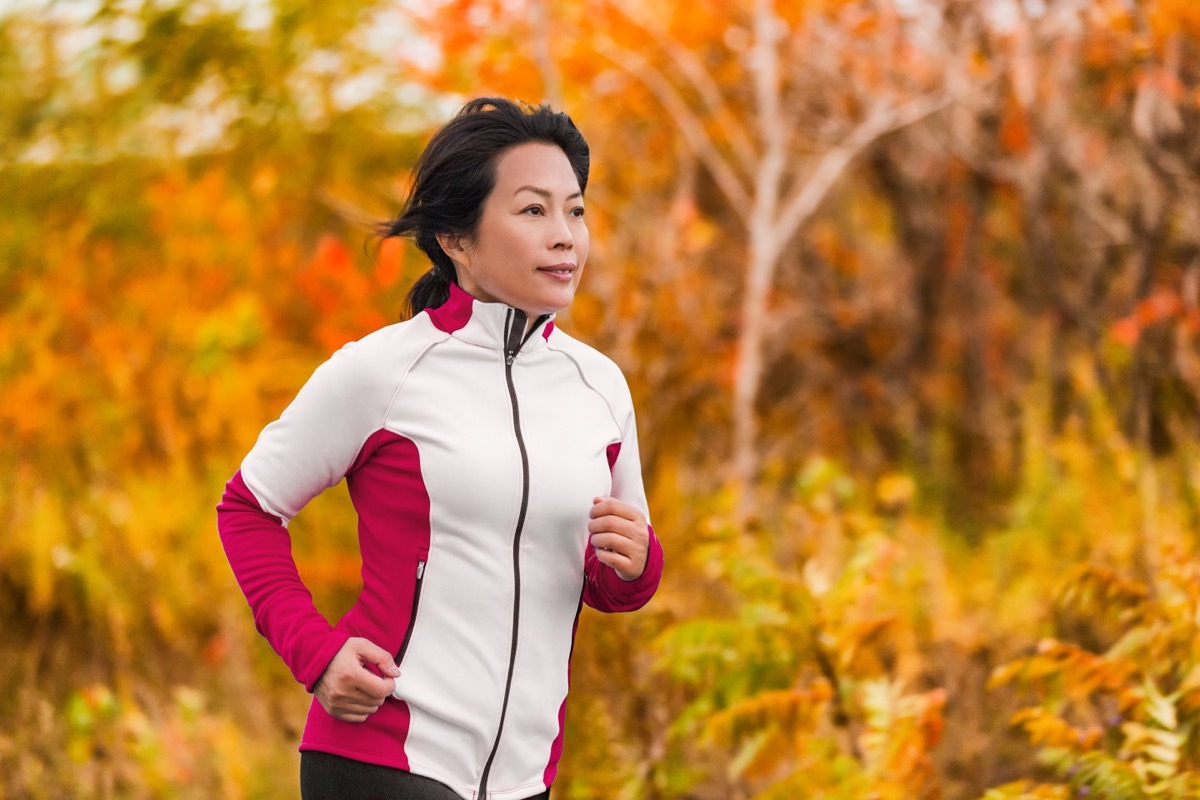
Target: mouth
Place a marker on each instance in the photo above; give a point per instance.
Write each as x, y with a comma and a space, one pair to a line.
562, 271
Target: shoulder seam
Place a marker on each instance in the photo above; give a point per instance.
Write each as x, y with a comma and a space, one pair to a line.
587, 383
387, 410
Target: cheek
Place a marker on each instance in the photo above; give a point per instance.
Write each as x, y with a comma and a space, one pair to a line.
583, 244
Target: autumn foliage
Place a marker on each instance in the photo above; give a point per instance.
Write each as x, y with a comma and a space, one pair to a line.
908, 294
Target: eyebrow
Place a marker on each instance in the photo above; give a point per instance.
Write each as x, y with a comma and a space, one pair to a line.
546, 193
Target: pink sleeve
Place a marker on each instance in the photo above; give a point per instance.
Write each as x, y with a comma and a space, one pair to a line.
603, 588
259, 550
308, 449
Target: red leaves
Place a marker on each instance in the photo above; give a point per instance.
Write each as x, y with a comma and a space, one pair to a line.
1162, 306
342, 295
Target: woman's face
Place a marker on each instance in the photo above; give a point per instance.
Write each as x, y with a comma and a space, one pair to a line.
532, 240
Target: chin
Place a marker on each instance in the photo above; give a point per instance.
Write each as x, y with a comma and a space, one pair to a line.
548, 305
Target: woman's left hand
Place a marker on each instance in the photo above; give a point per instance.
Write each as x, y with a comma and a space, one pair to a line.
620, 535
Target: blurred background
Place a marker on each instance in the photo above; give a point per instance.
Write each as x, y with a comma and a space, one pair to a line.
908, 294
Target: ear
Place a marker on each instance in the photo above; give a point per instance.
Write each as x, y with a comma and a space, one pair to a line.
455, 247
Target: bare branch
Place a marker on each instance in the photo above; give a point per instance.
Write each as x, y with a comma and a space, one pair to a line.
807, 196
699, 79
765, 59
685, 119
543, 57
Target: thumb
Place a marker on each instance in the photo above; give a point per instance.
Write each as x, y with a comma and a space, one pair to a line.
371, 653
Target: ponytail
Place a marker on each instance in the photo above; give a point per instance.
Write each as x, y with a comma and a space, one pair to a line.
430, 291
433, 288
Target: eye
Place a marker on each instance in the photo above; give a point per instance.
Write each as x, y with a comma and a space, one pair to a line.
577, 212
535, 210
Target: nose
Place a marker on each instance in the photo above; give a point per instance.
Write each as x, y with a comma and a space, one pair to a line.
562, 238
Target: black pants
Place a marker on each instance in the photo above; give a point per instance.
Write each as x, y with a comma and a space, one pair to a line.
324, 776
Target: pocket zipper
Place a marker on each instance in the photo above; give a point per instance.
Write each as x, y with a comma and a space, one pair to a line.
412, 619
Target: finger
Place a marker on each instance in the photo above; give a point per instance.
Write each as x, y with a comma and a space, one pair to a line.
369, 683
357, 706
618, 561
343, 708
618, 525
371, 653
616, 543
604, 506
362, 696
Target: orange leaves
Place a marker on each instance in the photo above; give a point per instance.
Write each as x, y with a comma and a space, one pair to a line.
389, 262
342, 295
1126, 331
1048, 729
331, 570
901, 731
773, 731
1121, 717
1016, 134
894, 491
1082, 673
1162, 307
1173, 18
485, 47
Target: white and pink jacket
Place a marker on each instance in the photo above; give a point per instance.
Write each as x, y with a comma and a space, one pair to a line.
472, 454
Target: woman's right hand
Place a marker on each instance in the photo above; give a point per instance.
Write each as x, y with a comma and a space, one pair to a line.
349, 691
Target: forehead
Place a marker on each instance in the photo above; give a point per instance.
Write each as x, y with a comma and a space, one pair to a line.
537, 164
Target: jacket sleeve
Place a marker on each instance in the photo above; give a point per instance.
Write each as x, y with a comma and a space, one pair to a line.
603, 588
308, 449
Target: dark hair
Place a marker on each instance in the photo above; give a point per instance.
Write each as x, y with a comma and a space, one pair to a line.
456, 173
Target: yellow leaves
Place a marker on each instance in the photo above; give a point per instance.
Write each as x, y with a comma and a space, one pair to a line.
901, 731
1082, 673
1086, 698
1048, 729
44, 538
859, 641
787, 708
770, 728
1027, 790
1154, 748
1099, 588
894, 491
1143, 743
116, 738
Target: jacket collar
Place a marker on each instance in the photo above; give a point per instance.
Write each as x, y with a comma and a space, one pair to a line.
486, 324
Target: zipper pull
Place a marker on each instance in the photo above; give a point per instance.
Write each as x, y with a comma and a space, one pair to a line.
420, 570
514, 327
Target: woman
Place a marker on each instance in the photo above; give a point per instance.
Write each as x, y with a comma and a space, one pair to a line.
493, 463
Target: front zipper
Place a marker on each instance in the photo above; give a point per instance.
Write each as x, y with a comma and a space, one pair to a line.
514, 326
412, 617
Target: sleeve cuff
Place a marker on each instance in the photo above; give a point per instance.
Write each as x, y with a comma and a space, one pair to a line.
612, 593
317, 665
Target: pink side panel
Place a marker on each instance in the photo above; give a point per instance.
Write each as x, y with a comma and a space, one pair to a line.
557, 748
453, 314
612, 452
389, 493
547, 329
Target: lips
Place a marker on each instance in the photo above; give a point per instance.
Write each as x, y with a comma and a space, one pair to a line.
562, 272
